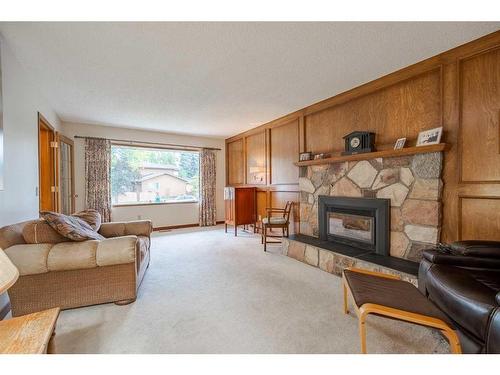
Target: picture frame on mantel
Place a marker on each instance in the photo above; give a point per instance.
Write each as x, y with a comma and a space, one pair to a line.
400, 144
304, 156
430, 137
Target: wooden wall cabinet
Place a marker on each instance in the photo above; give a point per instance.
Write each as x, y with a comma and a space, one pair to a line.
240, 204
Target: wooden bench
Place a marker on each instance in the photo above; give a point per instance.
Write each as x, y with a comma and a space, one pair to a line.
388, 296
29, 334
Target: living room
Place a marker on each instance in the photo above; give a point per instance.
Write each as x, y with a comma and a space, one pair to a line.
250, 188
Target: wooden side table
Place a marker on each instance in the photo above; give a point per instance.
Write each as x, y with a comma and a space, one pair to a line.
29, 334
388, 296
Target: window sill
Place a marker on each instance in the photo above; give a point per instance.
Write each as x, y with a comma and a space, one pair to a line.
151, 204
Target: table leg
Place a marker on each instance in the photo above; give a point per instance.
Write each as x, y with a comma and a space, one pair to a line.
452, 337
362, 332
51, 348
346, 310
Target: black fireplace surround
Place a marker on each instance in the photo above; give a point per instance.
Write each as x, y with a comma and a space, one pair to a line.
368, 222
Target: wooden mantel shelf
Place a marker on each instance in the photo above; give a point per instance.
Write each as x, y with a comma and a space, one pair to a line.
374, 155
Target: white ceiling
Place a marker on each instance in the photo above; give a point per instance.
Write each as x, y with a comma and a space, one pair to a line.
215, 79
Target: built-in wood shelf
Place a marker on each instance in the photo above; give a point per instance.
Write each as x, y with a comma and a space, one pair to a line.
374, 155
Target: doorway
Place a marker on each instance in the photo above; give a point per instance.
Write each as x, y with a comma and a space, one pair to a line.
65, 175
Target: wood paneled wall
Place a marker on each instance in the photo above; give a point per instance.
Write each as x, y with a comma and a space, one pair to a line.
458, 89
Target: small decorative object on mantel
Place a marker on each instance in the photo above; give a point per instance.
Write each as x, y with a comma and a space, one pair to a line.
304, 156
400, 144
321, 156
430, 137
359, 142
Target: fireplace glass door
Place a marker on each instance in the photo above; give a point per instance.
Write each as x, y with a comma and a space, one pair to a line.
351, 227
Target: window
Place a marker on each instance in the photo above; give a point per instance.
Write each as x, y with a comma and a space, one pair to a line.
146, 175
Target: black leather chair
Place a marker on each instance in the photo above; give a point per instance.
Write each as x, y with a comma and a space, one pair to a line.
464, 282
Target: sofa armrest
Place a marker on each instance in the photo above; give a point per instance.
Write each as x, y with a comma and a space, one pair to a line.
493, 337
436, 257
481, 249
120, 250
126, 228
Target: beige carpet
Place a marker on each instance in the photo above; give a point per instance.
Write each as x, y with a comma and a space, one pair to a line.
209, 292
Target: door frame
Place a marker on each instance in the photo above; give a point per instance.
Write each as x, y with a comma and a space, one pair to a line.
44, 124
61, 138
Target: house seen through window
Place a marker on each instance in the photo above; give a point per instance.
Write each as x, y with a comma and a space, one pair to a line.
146, 175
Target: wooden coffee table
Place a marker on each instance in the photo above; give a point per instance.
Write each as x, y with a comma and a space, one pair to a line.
29, 334
386, 295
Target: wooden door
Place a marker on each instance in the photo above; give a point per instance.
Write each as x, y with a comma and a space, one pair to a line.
46, 165
65, 188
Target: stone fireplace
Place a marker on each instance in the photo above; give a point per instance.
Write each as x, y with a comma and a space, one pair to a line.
411, 183
361, 223
408, 188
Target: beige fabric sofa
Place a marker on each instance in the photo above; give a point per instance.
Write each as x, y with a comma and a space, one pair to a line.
74, 274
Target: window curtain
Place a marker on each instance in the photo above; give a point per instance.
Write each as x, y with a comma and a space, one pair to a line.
97, 176
207, 188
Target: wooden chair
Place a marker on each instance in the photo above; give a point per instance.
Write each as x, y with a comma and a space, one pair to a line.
276, 222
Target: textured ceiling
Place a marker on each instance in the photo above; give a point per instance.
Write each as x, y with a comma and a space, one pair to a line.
215, 79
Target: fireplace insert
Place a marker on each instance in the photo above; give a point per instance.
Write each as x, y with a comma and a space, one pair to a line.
362, 223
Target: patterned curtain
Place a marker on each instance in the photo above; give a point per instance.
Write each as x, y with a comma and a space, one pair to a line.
97, 176
207, 188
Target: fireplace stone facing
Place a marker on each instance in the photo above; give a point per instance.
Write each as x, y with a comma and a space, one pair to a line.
333, 258
411, 183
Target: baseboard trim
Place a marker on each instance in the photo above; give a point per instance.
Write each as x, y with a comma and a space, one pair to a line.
181, 226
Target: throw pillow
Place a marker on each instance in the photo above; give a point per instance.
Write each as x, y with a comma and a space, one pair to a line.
91, 217
39, 231
71, 227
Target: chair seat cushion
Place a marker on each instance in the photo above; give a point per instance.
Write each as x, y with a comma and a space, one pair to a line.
466, 295
29, 259
274, 220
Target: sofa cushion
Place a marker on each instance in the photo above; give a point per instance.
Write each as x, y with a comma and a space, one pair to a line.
138, 228
466, 296
91, 217
71, 227
39, 231
113, 229
29, 259
118, 228
11, 235
117, 250
72, 256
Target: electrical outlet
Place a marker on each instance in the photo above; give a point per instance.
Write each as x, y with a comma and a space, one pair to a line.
139, 217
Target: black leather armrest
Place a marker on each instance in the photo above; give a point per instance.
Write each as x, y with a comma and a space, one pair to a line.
436, 257
493, 339
481, 249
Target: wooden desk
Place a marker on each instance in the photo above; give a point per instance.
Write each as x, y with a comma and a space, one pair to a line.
28, 334
240, 207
